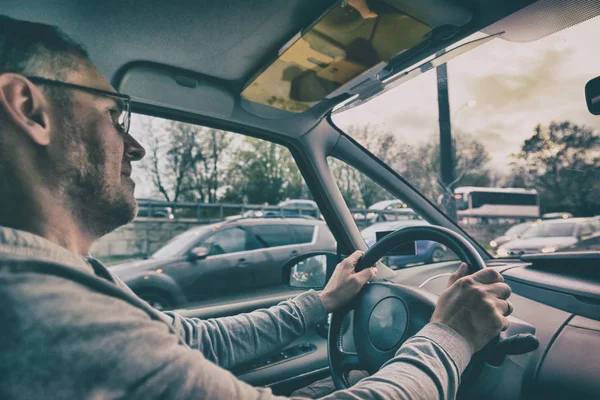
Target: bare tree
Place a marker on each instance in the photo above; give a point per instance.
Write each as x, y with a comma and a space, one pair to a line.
211, 170
173, 155
357, 189
421, 165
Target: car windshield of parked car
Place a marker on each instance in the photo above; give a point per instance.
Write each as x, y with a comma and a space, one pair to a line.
372, 230
179, 244
517, 138
518, 230
551, 230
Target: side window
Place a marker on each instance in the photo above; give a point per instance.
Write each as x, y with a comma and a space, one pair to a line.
273, 235
303, 233
480, 199
226, 241
201, 185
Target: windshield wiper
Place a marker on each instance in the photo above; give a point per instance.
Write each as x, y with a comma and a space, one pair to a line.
365, 91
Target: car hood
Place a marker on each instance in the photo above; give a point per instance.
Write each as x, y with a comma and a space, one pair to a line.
540, 242
502, 239
135, 267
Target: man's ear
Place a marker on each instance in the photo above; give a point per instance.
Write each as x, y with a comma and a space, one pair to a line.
25, 105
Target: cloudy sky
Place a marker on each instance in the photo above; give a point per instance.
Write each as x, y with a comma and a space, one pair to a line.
514, 85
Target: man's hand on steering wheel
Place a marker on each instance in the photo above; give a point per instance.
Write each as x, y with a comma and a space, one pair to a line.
345, 283
475, 306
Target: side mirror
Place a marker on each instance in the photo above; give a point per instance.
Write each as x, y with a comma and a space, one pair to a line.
310, 271
592, 96
197, 253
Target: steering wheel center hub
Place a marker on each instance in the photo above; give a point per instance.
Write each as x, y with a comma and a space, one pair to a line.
387, 323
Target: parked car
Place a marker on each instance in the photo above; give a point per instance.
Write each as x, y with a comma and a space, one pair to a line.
426, 252
551, 236
287, 209
151, 208
514, 232
222, 259
376, 212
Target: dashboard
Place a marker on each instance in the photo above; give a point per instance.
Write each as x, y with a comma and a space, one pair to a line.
558, 295
555, 297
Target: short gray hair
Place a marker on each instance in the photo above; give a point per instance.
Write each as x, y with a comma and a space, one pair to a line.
30, 48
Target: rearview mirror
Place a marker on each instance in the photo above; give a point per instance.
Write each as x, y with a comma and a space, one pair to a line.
592, 96
198, 253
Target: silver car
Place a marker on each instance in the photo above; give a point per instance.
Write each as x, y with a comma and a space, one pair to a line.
551, 236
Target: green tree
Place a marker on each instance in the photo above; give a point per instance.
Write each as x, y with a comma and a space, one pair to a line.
263, 172
562, 161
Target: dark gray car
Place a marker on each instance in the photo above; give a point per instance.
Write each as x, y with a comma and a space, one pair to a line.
222, 259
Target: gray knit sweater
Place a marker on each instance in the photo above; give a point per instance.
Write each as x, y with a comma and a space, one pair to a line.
70, 331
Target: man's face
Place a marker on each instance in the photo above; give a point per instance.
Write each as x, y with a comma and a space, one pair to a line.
92, 157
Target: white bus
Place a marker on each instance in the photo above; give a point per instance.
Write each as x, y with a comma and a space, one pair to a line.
496, 202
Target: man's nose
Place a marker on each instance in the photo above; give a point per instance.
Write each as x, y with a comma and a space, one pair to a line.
133, 149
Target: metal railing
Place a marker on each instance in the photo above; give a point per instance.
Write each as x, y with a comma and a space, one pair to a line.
218, 211
222, 211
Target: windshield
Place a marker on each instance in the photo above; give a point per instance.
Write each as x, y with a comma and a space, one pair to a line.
550, 230
517, 140
179, 244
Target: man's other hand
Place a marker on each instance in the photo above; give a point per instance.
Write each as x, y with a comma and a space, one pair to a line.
345, 282
475, 306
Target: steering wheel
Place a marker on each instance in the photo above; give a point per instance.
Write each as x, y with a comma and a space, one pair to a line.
388, 314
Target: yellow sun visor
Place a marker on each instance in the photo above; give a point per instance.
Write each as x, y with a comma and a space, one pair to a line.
353, 37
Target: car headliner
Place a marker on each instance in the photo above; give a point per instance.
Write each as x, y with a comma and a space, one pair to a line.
224, 42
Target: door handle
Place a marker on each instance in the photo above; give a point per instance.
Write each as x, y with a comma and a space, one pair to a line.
242, 261
294, 252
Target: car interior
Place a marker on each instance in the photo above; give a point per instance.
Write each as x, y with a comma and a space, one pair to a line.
280, 71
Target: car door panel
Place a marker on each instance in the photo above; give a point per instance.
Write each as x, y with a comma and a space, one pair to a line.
219, 273
279, 247
312, 362
212, 277
252, 269
239, 303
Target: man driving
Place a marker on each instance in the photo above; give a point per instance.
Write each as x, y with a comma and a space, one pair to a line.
72, 330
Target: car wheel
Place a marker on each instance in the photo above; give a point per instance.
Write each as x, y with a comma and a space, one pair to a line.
438, 254
156, 300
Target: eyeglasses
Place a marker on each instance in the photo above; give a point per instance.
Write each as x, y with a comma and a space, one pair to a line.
123, 100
